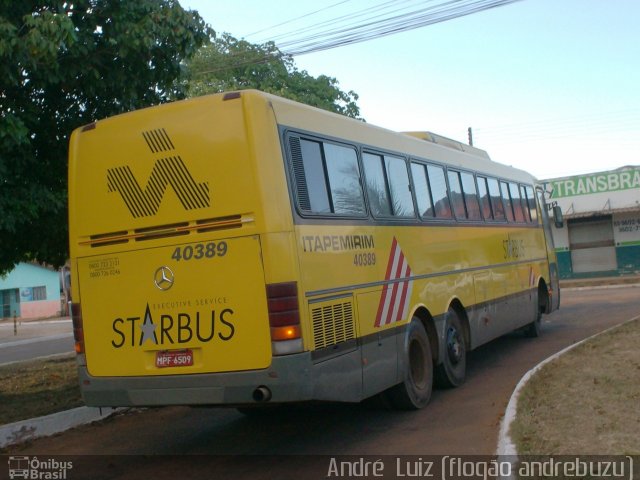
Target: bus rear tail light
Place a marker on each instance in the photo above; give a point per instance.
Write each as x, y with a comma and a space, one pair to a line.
78, 331
284, 318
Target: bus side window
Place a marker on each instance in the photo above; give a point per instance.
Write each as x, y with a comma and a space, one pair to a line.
496, 199
525, 204
399, 186
344, 180
314, 178
388, 185
470, 196
517, 203
456, 194
438, 186
531, 201
506, 199
327, 178
423, 192
377, 193
485, 201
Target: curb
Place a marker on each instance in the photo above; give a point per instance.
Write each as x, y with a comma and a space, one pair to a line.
600, 287
44, 357
506, 447
24, 430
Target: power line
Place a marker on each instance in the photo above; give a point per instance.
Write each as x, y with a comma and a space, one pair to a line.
371, 29
343, 19
296, 18
374, 27
594, 125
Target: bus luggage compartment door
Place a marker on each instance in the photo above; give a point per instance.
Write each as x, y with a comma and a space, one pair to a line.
181, 309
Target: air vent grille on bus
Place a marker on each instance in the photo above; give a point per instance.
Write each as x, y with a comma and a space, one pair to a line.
298, 171
332, 324
171, 230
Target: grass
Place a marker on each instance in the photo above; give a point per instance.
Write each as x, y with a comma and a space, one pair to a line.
586, 401
39, 387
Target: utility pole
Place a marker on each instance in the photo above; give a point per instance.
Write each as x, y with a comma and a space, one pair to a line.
470, 132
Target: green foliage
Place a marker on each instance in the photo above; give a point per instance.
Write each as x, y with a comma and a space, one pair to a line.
231, 64
64, 64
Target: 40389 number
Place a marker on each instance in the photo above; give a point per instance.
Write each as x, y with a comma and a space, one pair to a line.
200, 251
364, 259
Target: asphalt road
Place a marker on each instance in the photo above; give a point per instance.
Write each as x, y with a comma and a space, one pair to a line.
459, 421
34, 340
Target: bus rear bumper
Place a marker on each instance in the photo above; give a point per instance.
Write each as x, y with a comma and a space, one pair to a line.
288, 379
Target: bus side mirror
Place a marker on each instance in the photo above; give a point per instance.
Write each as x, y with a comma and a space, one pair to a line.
557, 216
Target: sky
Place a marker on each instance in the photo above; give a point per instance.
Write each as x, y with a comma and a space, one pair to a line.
548, 86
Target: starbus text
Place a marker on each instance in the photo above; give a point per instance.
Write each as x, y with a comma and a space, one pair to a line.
172, 329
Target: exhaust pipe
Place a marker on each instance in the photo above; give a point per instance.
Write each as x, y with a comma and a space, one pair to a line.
262, 394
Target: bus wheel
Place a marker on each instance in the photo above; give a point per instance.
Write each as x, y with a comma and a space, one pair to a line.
452, 371
415, 390
534, 329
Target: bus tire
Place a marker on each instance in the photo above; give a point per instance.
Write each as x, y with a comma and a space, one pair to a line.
534, 329
451, 372
415, 390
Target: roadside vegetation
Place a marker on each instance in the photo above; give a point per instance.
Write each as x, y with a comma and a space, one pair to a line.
39, 387
68, 64
586, 401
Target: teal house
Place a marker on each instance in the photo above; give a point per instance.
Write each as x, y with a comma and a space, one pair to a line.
30, 291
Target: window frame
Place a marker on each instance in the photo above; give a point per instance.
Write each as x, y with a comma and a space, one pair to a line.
517, 206
443, 169
382, 155
484, 179
288, 135
39, 293
423, 166
507, 201
532, 207
465, 194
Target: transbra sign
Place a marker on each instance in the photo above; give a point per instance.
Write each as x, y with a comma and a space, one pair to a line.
626, 178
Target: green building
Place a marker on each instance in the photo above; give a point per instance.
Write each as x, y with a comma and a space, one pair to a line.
601, 233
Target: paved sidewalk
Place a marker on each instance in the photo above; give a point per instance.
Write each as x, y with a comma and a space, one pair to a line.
31, 329
35, 339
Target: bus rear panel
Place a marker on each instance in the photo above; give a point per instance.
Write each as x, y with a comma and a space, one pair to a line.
170, 295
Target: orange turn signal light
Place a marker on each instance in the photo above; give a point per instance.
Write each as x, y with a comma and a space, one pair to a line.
290, 332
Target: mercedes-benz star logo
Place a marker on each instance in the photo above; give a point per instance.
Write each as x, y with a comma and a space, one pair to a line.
163, 278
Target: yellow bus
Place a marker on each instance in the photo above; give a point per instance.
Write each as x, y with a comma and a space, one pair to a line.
242, 249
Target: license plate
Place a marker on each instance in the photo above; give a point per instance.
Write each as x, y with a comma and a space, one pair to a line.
174, 358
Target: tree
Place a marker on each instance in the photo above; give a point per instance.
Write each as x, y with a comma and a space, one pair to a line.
231, 64
62, 65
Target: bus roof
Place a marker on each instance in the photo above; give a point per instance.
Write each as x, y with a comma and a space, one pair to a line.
422, 145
